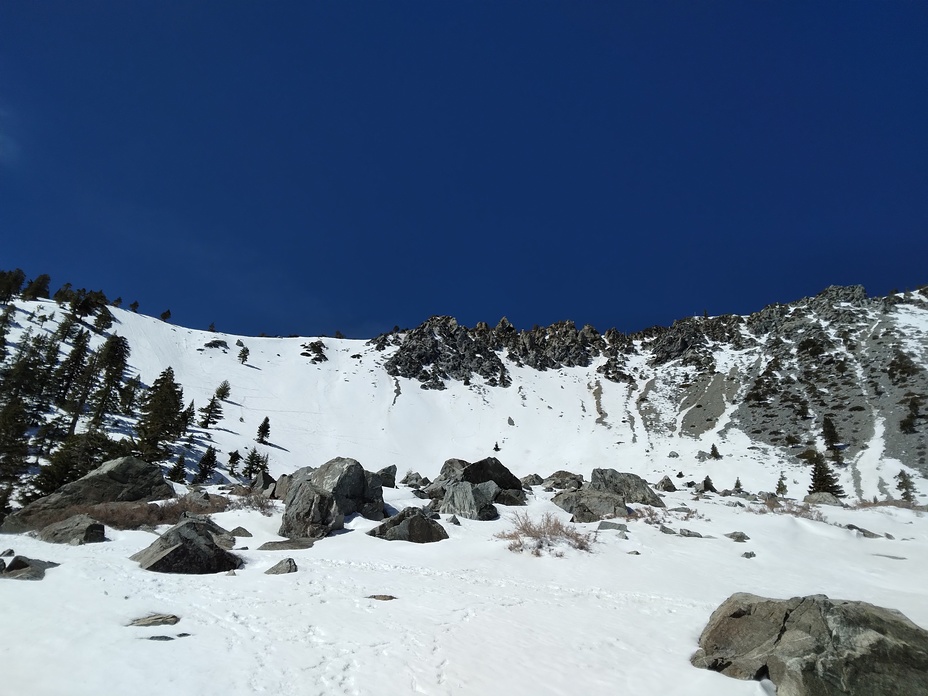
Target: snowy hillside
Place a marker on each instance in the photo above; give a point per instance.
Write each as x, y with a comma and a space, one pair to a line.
469, 615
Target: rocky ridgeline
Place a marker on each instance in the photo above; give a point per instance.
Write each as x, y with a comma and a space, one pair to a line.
838, 354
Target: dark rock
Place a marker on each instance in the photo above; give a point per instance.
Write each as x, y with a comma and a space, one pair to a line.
193, 546
748, 554
287, 565
563, 479
867, 534
491, 469
79, 529
688, 533
591, 505
282, 487
381, 597
156, 620
310, 513
632, 488
532, 480
388, 476
815, 646
666, 530
160, 638
412, 479
609, 524
287, 545
666, 485
454, 520
118, 480
510, 496
7, 553
634, 553
740, 537
240, 532
469, 501
412, 524
353, 489
262, 482
23, 568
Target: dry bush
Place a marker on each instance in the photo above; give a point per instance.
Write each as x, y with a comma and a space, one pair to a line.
787, 507
647, 514
254, 501
864, 504
133, 515
546, 534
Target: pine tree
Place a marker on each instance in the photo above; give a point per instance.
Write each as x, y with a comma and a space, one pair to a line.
212, 412
11, 283
113, 361
37, 287
829, 433
80, 392
781, 485
223, 390
14, 448
264, 431
178, 472
824, 479
166, 315
189, 416
128, 395
906, 486
234, 459
134, 306
63, 294
77, 456
212, 327
207, 466
104, 320
714, 452
255, 463
161, 417
738, 488
243, 355
708, 486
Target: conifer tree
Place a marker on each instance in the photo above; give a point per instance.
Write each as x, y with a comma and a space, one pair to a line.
134, 306
243, 355
905, 486
113, 361
223, 390
264, 431
707, 485
161, 417
255, 463
189, 416
14, 448
104, 320
178, 472
166, 315
77, 456
738, 488
211, 413
63, 294
234, 459
11, 283
714, 452
781, 485
71, 367
207, 466
128, 395
37, 287
829, 433
80, 392
824, 479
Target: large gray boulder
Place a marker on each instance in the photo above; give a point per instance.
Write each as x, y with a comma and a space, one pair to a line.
467, 500
79, 529
631, 487
491, 469
309, 513
823, 499
412, 524
588, 505
126, 479
353, 488
24, 568
193, 546
508, 489
388, 476
816, 646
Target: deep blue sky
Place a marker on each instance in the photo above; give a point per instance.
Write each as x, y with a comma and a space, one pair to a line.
302, 167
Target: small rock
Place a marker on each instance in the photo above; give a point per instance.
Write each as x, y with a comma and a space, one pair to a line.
7, 554
688, 533
23, 568
381, 597
156, 620
454, 520
240, 532
748, 554
889, 536
76, 530
609, 524
287, 565
740, 537
867, 534
666, 530
634, 553
666, 485
231, 572
160, 638
287, 545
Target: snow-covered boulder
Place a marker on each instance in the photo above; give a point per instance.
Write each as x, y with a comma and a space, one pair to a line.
193, 546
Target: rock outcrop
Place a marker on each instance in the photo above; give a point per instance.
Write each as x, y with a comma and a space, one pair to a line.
412, 524
24, 568
606, 495
79, 529
816, 646
126, 479
193, 546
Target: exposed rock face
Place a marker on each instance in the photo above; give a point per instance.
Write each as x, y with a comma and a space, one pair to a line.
473, 502
309, 513
412, 524
591, 505
23, 568
193, 546
666, 485
287, 565
79, 529
353, 489
563, 479
262, 482
118, 480
631, 487
815, 646
491, 469
388, 476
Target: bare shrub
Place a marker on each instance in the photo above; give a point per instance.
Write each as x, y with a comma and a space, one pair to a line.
133, 515
544, 535
864, 504
787, 507
254, 501
647, 514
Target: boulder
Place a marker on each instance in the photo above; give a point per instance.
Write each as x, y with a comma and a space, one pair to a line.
816, 646
23, 568
156, 620
412, 479
631, 487
591, 505
822, 499
666, 485
388, 476
118, 480
740, 537
193, 546
240, 532
79, 529
506, 488
309, 512
412, 524
263, 481
532, 480
353, 489
690, 533
491, 469
287, 545
563, 479
469, 501
287, 565
282, 487
609, 524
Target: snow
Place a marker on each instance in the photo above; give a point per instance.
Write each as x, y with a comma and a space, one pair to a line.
470, 616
